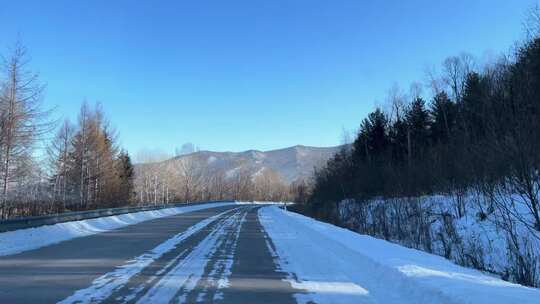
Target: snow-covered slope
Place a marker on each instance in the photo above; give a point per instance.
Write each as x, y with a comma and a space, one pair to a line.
483, 235
290, 163
335, 265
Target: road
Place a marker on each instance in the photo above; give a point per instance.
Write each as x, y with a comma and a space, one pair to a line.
214, 255
243, 254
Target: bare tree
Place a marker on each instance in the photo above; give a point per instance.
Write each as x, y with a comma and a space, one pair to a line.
22, 121
415, 90
532, 22
58, 153
455, 72
397, 102
191, 175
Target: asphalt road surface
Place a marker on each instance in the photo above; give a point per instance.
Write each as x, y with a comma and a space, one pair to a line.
217, 255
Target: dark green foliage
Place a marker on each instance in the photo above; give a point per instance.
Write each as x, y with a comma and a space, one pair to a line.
126, 174
443, 118
490, 136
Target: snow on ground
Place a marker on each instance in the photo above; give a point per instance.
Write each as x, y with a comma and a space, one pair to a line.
185, 275
460, 238
232, 172
335, 265
104, 286
17, 241
218, 277
258, 173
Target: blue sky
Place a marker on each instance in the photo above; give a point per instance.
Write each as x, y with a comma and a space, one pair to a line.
237, 75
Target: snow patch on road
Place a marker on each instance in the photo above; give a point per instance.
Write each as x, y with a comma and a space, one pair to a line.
187, 273
365, 269
218, 278
17, 241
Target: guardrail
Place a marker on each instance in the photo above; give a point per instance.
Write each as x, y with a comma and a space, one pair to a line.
36, 221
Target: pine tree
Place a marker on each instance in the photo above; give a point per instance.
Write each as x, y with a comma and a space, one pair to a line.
473, 107
418, 123
126, 174
373, 136
443, 117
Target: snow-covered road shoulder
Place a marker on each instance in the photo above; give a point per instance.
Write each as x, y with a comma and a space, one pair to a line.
18, 241
335, 265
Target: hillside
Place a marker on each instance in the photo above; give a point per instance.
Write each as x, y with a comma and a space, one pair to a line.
290, 163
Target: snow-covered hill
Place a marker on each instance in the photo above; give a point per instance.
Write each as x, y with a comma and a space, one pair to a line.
291, 163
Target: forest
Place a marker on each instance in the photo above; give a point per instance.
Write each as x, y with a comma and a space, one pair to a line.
474, 141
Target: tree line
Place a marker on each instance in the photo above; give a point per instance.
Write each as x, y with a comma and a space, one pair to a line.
49, 166
481, 129
189, 178
478, 132
81, 168
88, 169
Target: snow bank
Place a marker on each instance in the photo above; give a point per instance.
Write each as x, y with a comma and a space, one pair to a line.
17, 241
475, 237
335, 265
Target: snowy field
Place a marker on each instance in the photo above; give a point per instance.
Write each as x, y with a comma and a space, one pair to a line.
335, 265
17, 241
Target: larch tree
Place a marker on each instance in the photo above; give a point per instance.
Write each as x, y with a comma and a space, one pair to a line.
22, 121
58, 152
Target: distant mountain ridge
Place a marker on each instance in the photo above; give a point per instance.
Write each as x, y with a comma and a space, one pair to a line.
292, 163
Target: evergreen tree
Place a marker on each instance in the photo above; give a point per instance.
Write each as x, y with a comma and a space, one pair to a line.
418, 122
373, 136
472, 107
126, 174
443, 117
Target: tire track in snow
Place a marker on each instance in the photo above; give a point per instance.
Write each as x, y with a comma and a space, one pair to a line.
216, 268
148, 277
177, 284
219, 268
104, 286
255, 277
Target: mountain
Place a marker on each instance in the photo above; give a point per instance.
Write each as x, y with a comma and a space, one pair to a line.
291, 163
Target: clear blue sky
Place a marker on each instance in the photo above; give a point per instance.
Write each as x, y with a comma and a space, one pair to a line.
236, 75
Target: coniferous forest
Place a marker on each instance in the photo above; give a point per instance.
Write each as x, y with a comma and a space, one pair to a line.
475, 141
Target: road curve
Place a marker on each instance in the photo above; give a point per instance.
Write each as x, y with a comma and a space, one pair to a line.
218, 255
